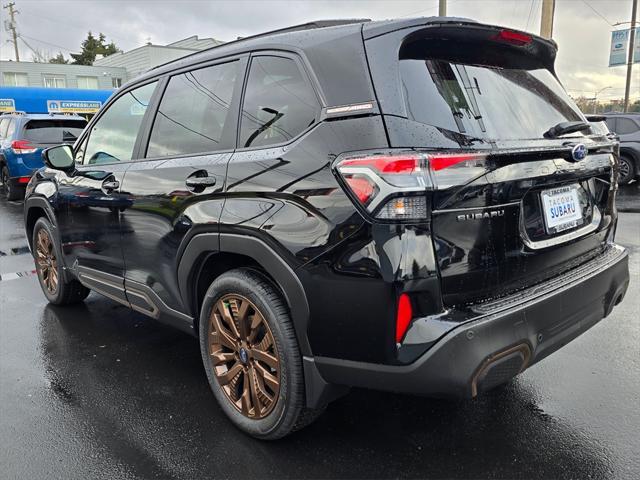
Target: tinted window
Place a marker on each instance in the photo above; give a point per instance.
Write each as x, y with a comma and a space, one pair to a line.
113, 136
193, 111
53, 131
626, 125
493, 102
611, 123
279, 103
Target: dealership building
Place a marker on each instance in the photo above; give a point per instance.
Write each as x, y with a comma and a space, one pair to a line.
106, 73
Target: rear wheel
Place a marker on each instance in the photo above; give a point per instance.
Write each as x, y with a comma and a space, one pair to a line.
627, 170
9, 192
47, 255
251, 355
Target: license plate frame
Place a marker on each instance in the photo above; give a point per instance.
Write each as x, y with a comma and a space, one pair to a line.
561, 208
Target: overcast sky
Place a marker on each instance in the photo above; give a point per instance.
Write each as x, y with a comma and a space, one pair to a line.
582, 28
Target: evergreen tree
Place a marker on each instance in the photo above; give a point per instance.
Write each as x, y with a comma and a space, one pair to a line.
93, 46
58, 59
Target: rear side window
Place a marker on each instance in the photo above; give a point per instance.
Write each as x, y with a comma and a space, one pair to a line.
194, 111
279, 102
4, 122
489, 101
626, 126
113, 136
53, 132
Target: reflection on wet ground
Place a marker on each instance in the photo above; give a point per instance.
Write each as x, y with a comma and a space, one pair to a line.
98, 390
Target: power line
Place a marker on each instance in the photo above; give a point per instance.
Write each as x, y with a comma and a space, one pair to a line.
597, 13
530, 12
47, 43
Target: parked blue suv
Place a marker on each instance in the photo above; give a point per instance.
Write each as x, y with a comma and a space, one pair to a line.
22, 139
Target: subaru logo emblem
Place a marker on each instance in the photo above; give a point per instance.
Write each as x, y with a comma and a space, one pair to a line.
244, 356
579, 152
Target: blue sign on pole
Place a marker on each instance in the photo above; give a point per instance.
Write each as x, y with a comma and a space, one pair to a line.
619, 52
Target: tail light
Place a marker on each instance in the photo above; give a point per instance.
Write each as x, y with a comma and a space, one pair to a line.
394, 186
22, 146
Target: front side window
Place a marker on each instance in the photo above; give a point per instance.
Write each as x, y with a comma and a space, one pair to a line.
114, 135
51, 81
279, 102
15, 79
193, 112
88, 83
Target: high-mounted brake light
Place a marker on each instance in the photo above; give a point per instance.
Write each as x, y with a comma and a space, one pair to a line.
404, 315
514, 38
22, 146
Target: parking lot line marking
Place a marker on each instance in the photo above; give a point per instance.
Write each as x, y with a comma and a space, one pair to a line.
16, 275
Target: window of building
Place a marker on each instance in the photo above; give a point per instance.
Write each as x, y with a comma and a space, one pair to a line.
279, 103
15, 79
193, 111
88, 83
626, 126
113, 136
116, 82
51, 81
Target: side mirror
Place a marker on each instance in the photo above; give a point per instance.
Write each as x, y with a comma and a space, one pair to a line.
59, 157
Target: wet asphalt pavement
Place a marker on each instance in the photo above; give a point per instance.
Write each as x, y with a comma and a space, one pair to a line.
98, 391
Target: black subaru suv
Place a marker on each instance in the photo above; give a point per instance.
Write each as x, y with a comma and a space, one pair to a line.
409, 205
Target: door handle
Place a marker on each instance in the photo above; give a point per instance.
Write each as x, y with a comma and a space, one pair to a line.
110, 185
200, 182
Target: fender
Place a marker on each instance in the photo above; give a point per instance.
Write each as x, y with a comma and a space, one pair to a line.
266, 257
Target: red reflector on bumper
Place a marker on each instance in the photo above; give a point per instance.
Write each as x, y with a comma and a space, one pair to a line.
24, 180
403, 316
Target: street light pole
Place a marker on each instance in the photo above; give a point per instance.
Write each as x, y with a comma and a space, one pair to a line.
595, 98
632, 38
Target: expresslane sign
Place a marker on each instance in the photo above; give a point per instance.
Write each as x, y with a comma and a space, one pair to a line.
73, 106
7, 105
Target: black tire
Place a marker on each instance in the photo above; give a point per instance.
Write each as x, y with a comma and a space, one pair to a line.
10, 193
289, 412
627, 170
65, 292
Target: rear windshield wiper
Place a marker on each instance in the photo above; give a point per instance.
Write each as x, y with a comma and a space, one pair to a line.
566, 127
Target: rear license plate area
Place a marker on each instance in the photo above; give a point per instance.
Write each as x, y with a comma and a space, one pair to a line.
561, 208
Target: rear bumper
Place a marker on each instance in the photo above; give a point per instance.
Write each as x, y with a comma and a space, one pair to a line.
503, 338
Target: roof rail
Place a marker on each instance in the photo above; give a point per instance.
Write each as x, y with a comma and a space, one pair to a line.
303, 26
14, 112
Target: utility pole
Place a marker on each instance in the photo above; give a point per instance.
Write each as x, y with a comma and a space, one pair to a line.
12, 27
442, 8
546, 22
632, 41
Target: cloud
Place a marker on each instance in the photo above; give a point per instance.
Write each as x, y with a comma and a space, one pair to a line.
60, 25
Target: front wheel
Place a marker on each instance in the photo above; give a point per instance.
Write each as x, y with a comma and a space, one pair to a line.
47, 255
627, 170
251, 355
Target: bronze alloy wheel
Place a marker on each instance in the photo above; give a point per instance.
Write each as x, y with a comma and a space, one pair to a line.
46, 261
244, 356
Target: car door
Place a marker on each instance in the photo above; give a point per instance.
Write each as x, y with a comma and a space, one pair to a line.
90, 199
176, 185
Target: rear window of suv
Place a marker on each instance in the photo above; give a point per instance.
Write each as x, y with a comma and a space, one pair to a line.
483, 101
52, 131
